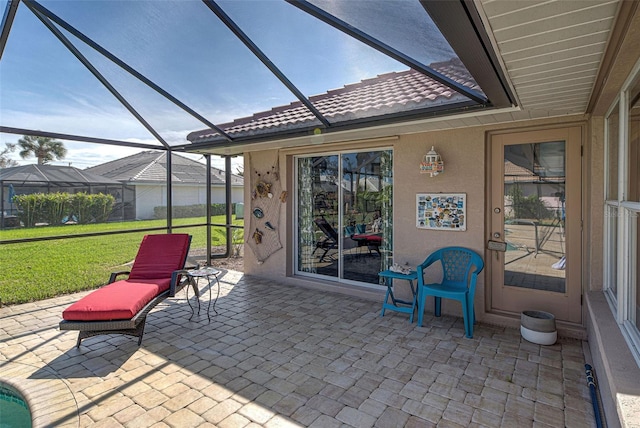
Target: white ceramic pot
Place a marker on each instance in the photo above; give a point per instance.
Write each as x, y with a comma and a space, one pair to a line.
538, 327
539, 337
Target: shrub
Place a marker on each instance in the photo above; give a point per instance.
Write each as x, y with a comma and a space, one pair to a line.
528, 207
186, 211
55, 208
93, 208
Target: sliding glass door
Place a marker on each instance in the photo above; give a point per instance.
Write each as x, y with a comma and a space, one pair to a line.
344, 215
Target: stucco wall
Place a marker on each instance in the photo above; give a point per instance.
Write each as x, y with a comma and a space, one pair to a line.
463, 151
463, 154
593, 182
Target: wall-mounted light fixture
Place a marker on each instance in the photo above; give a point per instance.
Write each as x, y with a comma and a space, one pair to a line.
432, 163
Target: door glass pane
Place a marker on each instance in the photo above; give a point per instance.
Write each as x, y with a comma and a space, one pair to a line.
534, 211
613, 125
634, 143
318, 215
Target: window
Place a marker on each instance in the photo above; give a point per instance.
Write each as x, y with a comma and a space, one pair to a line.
613, 124
633, 179
632, 211
611, 204
622, 210
344, 215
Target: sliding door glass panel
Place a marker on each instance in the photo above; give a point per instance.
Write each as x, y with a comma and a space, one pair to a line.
345, 221
365, 215
318, 215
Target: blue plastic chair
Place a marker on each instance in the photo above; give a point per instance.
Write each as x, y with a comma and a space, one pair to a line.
460, 267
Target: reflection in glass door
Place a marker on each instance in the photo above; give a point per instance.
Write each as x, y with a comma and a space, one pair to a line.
534, 216
344, 215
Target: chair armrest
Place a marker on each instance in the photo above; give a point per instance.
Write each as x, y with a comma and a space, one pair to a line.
425, 264
115, 275
472, 283
422, 266
179, 278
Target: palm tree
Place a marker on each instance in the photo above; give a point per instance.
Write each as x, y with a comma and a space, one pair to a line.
44, 148
5, 161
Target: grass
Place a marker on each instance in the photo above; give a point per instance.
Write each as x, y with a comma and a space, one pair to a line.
40, 270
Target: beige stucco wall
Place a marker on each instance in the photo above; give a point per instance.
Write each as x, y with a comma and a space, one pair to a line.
463, 151
593, 185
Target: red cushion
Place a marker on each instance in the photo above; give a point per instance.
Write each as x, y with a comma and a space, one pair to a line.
160, 255
118, 301
373, 239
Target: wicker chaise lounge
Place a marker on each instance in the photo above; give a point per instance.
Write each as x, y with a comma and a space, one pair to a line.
122, 306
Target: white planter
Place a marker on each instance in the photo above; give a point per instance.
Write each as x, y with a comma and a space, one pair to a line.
538, 327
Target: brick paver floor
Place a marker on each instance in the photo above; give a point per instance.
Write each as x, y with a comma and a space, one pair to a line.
281, 356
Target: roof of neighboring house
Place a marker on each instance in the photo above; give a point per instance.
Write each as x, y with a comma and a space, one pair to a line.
150, 167
50, 174
516, 173
383, 95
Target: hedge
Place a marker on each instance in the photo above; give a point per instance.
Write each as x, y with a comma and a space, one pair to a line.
56, 208
187, 211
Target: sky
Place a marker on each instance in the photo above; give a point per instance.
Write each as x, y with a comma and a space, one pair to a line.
182, 46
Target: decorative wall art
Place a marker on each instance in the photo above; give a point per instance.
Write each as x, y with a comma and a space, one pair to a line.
267, 197
441, 211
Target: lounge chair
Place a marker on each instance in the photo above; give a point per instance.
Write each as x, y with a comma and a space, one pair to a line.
121, 306
330, 239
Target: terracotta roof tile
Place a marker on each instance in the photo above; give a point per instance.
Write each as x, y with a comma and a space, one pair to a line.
386, 94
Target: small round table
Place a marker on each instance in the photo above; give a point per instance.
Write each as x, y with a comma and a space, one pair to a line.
204, 272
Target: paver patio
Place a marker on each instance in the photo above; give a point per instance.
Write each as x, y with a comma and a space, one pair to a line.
278, 356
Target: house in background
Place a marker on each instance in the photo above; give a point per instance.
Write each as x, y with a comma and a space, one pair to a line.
29, 179
145, 175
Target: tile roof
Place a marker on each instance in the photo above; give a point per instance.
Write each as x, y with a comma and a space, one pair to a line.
386, 94
516, 173
149, 167
52, 174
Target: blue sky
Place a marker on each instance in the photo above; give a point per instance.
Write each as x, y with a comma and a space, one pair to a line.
182, 46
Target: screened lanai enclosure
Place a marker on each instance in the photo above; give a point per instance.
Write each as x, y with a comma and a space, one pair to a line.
213, 78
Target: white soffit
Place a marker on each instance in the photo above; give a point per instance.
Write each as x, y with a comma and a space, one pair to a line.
551, 50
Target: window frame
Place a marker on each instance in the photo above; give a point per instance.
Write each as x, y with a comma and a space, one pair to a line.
610, 205
624, 300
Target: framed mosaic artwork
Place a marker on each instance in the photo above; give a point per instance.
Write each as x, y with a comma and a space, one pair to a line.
441, 211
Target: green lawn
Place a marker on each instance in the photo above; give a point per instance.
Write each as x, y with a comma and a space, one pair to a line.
39, 270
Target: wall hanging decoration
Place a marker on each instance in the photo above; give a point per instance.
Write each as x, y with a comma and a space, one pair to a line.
441, 211
258, 213
263, 190
264, 238
432, 163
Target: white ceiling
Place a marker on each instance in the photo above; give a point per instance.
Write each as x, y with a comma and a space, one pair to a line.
551, 50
